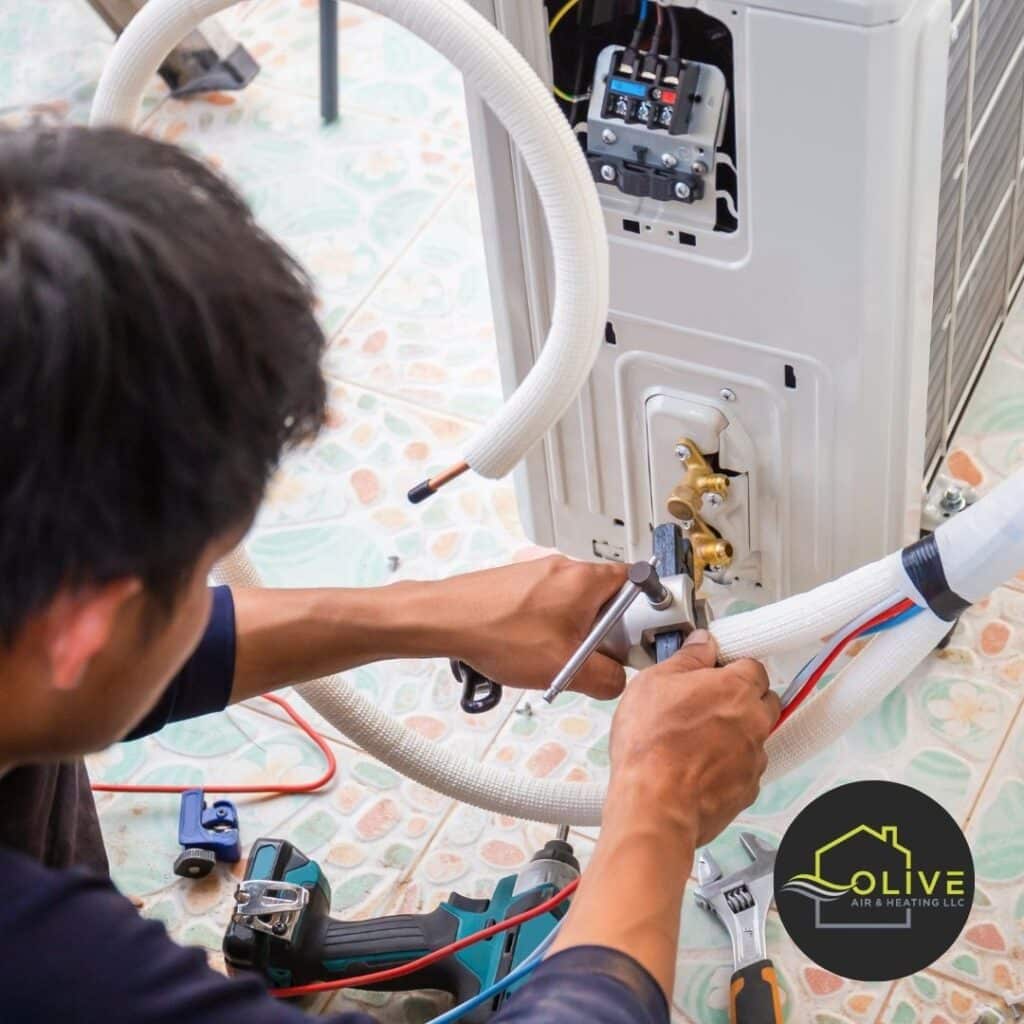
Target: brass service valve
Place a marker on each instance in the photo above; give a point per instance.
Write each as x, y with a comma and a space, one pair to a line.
710, 551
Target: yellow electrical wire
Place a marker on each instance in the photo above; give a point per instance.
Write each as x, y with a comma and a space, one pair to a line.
553, 23
562, 95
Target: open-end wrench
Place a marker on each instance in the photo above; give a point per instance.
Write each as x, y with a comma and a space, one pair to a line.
672, 560
643, 579
741, 902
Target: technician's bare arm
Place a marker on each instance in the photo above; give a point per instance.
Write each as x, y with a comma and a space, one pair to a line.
517, 624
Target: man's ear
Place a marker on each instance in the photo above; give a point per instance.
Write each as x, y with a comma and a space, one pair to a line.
78, 625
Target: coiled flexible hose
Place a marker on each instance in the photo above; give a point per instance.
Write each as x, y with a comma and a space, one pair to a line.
501, 76
980, 548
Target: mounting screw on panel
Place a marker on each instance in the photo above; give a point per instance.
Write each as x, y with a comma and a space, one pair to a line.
699, 167
668, 160
609, 137
727, 395
946, 498
608, 172
683, 452
683, 191
714, 500
953, 499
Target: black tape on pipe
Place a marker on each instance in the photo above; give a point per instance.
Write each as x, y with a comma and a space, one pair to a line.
923, 564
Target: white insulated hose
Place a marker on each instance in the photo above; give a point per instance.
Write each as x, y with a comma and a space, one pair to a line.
982, 544
980, 548
494, 789
500, 75
866, 682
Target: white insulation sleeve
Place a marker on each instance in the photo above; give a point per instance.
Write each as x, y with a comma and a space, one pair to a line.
983, 546
868, 679
557, 803
428, 763
806, 618
889, 658
501, 76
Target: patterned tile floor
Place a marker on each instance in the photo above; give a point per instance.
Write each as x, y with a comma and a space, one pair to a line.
381, 209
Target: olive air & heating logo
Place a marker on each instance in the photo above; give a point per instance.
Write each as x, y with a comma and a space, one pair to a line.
874, 881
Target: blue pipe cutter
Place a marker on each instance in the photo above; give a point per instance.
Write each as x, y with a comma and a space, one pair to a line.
208, 834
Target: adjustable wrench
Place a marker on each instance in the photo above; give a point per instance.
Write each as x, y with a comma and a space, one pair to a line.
741, 902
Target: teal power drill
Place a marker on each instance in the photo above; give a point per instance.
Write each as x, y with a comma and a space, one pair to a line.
281, 927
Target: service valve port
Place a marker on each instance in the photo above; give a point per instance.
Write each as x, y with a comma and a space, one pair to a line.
686, 502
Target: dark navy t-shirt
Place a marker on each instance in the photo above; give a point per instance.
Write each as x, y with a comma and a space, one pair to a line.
75, 951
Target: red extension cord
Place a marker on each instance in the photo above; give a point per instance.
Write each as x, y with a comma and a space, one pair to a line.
431, 958
281, 789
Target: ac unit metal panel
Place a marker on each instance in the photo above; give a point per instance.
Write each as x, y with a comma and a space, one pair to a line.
1017, 248
992, 168
935, 428
977, 260
949, 194
809, 326
1000, 30
980, 307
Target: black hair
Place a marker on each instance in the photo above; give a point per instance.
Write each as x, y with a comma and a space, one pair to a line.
158, 352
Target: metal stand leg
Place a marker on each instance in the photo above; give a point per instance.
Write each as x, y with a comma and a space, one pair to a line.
329, 61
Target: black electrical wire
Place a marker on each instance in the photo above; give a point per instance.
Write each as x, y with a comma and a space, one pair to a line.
677, 42
656, 38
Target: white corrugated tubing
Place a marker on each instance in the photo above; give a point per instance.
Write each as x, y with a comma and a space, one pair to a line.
981, 547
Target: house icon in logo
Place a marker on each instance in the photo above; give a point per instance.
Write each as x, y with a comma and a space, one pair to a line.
864, 857
857, 881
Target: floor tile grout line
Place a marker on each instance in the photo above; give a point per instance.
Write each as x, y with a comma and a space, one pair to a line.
454, 805
252, 8
338, 741
991, 766
406, 876
395, 120
407, 403
964, 983
885, 1002
299, 523
157, 108
401, 252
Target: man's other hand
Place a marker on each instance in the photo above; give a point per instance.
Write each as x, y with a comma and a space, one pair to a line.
688, 739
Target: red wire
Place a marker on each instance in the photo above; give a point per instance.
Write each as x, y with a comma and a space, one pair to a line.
808, 687
425, 961
282, 788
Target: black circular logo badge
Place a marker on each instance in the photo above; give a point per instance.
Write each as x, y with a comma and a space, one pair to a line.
874, 881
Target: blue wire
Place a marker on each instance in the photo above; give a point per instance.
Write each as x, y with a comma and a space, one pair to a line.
523, 970
643, 10
897, 621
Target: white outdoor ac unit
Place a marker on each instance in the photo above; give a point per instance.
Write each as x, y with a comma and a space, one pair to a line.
813, 244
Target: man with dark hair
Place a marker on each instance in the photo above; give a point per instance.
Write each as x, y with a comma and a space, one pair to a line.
158, 354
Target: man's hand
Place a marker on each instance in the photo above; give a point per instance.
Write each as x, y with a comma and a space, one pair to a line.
687, 752
689, 738
519, 624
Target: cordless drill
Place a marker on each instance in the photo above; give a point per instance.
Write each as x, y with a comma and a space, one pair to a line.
281, 927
